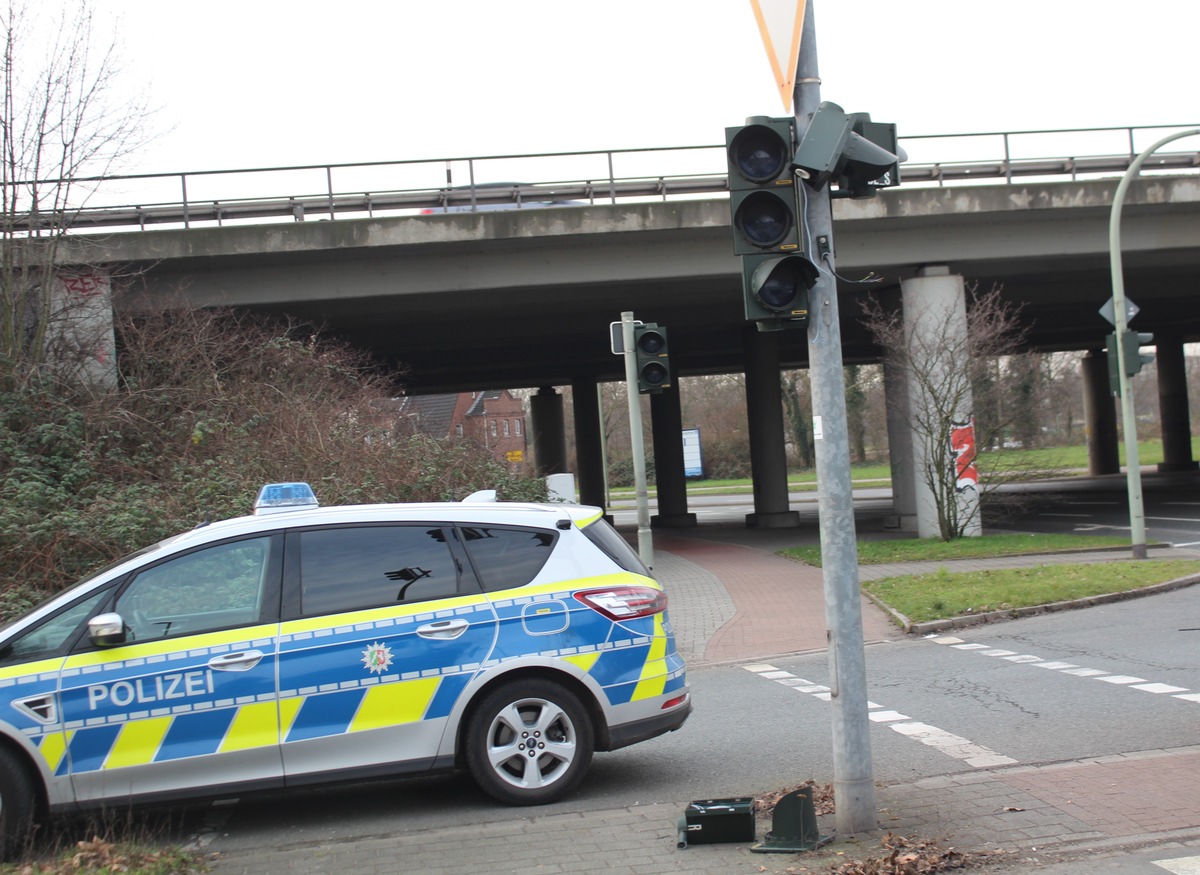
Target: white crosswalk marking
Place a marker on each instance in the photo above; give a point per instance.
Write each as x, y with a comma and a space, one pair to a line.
1070, 668
1180, 865
951, 745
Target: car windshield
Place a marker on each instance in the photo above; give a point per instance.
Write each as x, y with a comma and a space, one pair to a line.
8, 622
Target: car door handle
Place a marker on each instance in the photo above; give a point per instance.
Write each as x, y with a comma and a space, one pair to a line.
443, 629
241, 661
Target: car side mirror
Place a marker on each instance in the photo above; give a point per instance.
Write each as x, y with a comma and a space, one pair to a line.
106, 630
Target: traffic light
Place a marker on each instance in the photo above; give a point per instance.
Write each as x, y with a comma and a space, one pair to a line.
762, 188
653, 364
767, 221
776, 289
1134, 358
848, 148
1114, 364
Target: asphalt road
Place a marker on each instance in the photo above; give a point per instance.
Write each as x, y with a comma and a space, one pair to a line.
759, 728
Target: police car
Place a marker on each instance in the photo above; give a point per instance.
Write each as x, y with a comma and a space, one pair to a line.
307, 644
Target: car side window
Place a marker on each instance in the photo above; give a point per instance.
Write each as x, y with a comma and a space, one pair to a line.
505, 557
351, 568
212, 588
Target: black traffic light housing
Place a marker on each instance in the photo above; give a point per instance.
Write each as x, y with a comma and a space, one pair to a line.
762, 187
1135, 359
848, 149
767, 219
652, 358
776, 288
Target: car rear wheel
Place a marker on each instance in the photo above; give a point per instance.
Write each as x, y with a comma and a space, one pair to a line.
529, 742
16, 806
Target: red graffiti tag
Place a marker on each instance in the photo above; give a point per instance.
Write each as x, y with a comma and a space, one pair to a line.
962, 445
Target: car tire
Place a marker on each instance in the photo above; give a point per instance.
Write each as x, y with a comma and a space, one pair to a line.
529, 742
16, 806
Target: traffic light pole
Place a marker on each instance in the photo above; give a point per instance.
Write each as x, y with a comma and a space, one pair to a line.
853, 778
1133, 471
636, 441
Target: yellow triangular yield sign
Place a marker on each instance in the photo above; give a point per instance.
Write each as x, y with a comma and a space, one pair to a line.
780, 23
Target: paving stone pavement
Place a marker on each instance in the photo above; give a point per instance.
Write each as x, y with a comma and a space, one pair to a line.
739, 602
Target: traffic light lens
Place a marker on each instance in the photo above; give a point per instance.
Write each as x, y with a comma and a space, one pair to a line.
780, 290
763, 219
651, 342
758, 154
654, 374
780, 286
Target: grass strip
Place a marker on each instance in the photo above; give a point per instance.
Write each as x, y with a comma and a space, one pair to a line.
935, 550
943, 594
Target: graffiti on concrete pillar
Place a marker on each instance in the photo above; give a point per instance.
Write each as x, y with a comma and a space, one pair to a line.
962, 448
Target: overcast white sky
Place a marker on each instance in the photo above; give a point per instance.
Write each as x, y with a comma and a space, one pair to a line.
245, 83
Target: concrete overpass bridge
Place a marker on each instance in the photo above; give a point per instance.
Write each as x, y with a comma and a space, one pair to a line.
523, 297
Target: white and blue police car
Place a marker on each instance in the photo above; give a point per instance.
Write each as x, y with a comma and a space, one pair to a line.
306, 644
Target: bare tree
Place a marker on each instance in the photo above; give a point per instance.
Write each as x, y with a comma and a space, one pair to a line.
944, 368
63, 120
797, 410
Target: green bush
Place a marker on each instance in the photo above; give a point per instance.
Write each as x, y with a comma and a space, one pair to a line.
209, 407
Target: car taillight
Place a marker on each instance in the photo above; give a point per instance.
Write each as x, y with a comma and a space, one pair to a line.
624, 602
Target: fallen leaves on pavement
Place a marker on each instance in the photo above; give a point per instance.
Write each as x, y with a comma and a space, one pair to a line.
908, 856
822, 798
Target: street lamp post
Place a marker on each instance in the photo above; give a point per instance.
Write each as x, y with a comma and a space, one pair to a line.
1137, 519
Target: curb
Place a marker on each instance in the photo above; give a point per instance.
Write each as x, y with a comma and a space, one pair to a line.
930, 626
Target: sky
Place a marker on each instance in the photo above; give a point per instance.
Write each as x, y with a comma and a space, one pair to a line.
261, 83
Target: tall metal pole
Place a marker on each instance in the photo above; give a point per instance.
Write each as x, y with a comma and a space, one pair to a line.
645, 543
1133, 471
853, 778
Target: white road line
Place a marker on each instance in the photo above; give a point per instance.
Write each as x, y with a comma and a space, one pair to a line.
1160, 688
1180, 865
1068, 668
951, 745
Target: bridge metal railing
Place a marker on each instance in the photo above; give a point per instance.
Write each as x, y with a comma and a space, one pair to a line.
331, 191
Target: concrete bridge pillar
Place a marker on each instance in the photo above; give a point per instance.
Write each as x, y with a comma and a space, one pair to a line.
549, 433
589, 446
1173, 415
666, 426
764, 409
935, 330
900, 450
1099, 415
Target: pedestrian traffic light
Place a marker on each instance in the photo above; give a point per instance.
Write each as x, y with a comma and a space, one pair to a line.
762, 188
775, 289
1134, 358
850, 150
653, 364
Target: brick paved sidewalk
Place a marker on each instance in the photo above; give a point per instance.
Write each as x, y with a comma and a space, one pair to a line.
767, 605
1068, 808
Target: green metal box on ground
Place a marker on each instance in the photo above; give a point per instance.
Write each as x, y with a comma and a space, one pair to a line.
720, 820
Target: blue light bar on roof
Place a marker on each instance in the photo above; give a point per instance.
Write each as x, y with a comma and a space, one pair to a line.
279, 497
